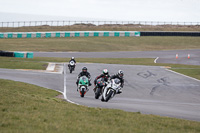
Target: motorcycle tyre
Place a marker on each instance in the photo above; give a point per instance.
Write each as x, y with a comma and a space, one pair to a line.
97, 93
102, 99
109, 95
82, 93
70, 70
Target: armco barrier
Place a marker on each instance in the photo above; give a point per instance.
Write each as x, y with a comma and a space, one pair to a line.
93, 34
69, 34
144, 33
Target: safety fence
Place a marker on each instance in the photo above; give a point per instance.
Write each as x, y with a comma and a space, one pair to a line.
70, 34
89, 23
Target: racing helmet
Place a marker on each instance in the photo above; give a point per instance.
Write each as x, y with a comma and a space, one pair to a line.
84, 69
120, 73
72, 58
105, 72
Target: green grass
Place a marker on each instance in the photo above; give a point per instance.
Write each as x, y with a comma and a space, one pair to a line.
29, 108
21, 63
192, 72
92, 44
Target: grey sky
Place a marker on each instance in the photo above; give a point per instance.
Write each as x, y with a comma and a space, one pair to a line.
139, 10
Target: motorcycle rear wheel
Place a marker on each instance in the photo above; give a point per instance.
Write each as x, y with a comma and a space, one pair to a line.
70, 70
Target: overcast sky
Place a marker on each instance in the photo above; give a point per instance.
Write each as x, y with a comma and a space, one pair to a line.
132, 10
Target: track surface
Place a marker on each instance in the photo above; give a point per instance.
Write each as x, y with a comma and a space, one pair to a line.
168, 56
149, 90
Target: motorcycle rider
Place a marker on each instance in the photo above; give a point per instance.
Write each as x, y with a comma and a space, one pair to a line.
84, 73
119, 75
72, 59
104, 75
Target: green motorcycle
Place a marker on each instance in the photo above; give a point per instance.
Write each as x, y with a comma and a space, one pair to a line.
83, 85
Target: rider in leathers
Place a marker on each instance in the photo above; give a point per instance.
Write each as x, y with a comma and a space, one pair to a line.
119, 75
84, 73
104, 75
72, 59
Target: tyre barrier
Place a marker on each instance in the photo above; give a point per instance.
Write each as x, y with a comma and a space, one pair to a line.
69, 34
17, 54
149, 33
7, 54
93, 34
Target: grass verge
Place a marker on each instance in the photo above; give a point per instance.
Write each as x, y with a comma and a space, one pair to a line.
88, 44
29, 108
21, 63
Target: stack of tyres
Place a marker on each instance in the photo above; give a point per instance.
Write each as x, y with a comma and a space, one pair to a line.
7, 54
17, 54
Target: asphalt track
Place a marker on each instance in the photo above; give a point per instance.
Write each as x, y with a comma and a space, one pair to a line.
148, 89
168, 56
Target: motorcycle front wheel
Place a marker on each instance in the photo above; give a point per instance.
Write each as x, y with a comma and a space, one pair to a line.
82, 93
97, 93
108, 96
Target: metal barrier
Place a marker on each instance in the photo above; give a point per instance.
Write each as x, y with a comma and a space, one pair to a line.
69, 34
93, 34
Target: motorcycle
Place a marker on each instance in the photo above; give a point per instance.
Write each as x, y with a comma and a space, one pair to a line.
71, 66
100, 85
83, 85
111, 89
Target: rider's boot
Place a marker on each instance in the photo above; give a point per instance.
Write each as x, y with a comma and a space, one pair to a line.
95, 89
119, 91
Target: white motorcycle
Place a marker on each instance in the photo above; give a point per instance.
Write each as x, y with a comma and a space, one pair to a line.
111, 89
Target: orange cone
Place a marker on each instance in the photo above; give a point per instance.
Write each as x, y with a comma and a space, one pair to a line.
176, 56
188, 56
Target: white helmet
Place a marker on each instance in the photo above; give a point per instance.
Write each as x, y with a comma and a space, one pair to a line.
105, 71
72, 58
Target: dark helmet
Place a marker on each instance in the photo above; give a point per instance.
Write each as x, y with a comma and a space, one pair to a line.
120, 73
105, 72
84, 69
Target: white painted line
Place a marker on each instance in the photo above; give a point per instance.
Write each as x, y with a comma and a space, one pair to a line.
156, 59
65, 86
51, 67
183, 75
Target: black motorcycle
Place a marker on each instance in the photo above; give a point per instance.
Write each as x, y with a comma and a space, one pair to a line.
100, 85
71, 66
